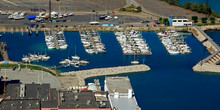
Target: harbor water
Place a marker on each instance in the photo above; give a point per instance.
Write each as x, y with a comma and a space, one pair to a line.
171, 83
214, 4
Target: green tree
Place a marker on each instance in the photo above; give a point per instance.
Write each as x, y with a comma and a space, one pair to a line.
194, 7
161, 20
201, 8
212, 19
195, 19
188, 5
204, 20
139, 8
166, 22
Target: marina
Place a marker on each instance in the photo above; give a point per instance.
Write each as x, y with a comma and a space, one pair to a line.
55, 39
174, 42
97, 55
92, 42
163, 69
132, 43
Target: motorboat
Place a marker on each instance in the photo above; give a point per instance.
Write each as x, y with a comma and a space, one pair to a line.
83, 62
66, 61
108, 18
134, 62
75, 58
94, 23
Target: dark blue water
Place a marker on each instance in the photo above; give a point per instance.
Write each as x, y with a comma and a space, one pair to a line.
170, 85
214, 4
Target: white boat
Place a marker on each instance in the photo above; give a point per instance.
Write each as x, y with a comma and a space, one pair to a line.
90, 51
66, 61
162, 34
134, 62
64, 46
26, 59
83, 62
108, 18
76, 65
94, 23
75, 58
45, 58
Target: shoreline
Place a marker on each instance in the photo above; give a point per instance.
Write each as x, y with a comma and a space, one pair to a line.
22, 29
66, 78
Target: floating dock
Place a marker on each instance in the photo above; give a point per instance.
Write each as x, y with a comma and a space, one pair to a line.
91, 41
132, 43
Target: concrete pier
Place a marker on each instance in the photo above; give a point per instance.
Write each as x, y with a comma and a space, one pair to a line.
209, 63
4, 51
82, 75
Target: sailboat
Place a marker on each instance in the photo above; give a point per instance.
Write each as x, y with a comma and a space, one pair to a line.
135, 61
66, 61
75, 60
45, 57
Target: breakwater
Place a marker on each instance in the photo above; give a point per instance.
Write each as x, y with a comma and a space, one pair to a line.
107, 28
84, 74
4, 52
209, 63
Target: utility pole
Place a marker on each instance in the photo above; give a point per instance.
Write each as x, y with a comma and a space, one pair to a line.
207, 9
49, 10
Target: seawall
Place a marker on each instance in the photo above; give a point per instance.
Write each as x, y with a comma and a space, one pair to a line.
108, 28
84, 74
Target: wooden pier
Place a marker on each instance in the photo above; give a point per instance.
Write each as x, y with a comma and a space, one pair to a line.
4, 52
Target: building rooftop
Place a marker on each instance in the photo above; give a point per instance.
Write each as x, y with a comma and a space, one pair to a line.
124, 103
84, 99
15, 104
124, 99
179, 17
31, 91
37, 96
118, 84
53, 100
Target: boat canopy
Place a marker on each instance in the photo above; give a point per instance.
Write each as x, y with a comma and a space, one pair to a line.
31, 17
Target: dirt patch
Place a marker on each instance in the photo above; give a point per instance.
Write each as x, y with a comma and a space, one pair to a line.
65, 5
164, 9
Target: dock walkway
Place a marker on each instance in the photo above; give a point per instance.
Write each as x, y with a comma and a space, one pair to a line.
84, 74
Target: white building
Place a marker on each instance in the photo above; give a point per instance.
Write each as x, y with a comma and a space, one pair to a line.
121, 94
179, 21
